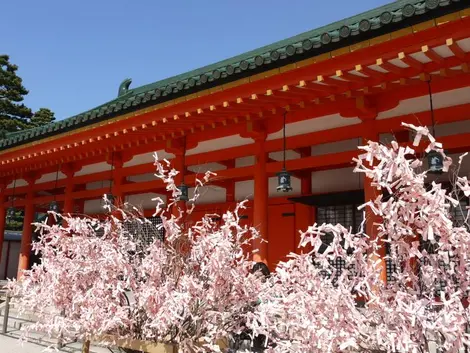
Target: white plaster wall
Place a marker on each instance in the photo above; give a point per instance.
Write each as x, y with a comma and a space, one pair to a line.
19, 182
279, 156
202, 168
464, 44
144, 201
335, 147
420, 104
50, 177
336, 180
458, 127
386, 138
315, 124
244, 190
94, 168
98, 185
148, 157
142, 177
244, 161
209, 194
219, 144
93, 206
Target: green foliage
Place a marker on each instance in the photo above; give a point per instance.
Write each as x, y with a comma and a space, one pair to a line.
42, 117
14, 115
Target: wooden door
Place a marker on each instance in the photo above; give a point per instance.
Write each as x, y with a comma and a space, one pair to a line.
281, 233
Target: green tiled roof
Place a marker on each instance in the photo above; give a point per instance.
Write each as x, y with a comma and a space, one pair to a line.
385, 19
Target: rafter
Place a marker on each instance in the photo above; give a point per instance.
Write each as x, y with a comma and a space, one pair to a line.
410, 61
365, 70
455, 48
333, 82
319, 88
390, 67
431, 54
351, 77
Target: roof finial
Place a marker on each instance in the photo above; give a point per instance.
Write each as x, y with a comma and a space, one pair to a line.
124, 87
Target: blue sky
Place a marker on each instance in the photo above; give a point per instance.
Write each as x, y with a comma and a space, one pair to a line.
74, 54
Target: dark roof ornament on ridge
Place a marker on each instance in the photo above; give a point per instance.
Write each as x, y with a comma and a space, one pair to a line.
124, 87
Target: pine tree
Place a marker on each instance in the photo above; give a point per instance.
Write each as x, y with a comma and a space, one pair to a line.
42, 117
14, 115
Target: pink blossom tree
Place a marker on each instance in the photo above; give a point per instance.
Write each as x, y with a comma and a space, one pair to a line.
190, 289
311, 305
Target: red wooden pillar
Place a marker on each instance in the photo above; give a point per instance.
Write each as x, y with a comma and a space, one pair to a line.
26, 236
260, 207
179, 165
2, 218
69, 171
178, 147
303, 213
68, 201
118, 180
230, 192
371, 193
230, 184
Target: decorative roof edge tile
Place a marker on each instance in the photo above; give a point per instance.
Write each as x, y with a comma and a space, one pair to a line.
381, 20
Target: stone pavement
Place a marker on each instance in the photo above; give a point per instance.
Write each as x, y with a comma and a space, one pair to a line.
11, 344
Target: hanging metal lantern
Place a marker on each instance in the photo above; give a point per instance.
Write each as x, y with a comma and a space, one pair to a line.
183, 188
435, 162
54, 206
11, 212
283, 181
435, 159
283, 177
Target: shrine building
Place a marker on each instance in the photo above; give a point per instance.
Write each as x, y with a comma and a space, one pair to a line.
300, 106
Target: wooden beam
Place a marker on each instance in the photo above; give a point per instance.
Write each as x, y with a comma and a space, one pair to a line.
455, 48
333, 82
458, 142
384, 64
299, 92
325, 89
457, 33
431, 54
410, 61
365, 70
352, 78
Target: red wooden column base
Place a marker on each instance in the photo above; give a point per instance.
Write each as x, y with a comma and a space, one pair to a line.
26, 236
69, 171
2, 222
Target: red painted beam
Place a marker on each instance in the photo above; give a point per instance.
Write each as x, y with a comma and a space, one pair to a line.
444, 115
407, 44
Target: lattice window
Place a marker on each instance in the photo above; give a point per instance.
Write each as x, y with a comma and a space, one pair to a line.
349, 217
146, 231
458, 214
